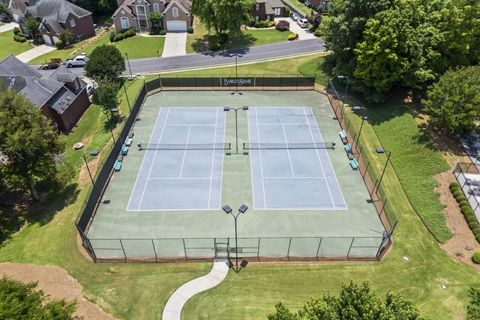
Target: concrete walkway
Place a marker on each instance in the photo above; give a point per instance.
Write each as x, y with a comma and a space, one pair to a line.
173, 309
8, 26
303, 34
175, 43
35, 52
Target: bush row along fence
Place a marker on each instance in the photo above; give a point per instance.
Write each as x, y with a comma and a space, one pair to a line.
471, 191
371, 177
292, 248
230, 83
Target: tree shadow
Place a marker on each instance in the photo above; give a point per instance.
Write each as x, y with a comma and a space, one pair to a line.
241, 42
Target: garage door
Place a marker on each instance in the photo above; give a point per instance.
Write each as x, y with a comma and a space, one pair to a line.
47, 40
176, 25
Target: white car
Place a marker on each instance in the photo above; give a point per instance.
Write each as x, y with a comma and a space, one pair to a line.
294, 16
78, 61
303, 23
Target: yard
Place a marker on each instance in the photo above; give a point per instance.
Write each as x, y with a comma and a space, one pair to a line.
139, 291
10, 47
300, 7
198, 42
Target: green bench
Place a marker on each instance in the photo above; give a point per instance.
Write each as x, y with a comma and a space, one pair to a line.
354, 164
117, 166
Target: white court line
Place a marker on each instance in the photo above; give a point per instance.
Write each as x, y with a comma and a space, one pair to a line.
191, 125
154, 157
286, 123
176, 178
261, 165
213, 158
288, 151
143, 160
318, 156
185, 151
295, 178
224, 115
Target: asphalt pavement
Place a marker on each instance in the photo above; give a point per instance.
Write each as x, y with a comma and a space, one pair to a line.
220, 58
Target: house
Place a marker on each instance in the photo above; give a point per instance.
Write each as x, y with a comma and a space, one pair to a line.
55, 16
62, 97
320, 5
134, 14
268, 9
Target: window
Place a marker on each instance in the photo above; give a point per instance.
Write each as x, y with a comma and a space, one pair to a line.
257, 18
257, 7
72, 23
175, 11
143, 24
156, 7
141, 10
125, 23
278, 11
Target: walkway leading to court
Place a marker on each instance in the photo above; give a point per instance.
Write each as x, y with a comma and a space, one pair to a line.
173, 309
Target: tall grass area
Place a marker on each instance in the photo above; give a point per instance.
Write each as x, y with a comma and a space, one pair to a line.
416, 161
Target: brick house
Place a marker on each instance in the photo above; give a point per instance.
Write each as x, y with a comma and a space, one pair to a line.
62, 97
268, 9
134, 13
321, 5
55, 16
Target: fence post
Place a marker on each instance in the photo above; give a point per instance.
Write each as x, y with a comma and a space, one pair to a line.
155, 251
319, 244
288, 252
258, 249
351, 244
366, 170
123, 249
184, 249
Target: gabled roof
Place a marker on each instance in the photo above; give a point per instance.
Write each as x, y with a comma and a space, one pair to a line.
179, 4
56, 9
11, 66
39, 91
126, 6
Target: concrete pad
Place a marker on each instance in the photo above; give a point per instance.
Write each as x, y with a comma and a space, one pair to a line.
173, 308
8, 26
175, 43
303, 34
35, 52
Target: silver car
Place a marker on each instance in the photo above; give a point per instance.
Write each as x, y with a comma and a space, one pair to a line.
294, 16
303, 23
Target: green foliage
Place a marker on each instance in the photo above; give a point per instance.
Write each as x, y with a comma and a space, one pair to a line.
156, 18
454, 186
60, 45
29, 142
16, 30
262, 24
33, 25
106, 61
473, 307
292, 36
22, 301
106, 95
223, 16
119, 37
5, 11
19, 38
354, 302
112, 36
66, 36
453, 103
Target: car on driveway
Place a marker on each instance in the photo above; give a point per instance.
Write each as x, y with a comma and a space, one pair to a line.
294, 16
303, 23
78, 61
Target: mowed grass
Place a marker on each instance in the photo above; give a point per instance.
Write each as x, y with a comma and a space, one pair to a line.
300, 7
140, 291
10, 47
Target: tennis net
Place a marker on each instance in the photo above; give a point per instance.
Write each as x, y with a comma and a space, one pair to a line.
286, 146
170, 146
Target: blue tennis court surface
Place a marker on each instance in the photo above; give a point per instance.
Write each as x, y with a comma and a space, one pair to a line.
291, 178
180, 178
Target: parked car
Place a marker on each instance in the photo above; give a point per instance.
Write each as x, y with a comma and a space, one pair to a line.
294, 16
90, 89
303, 23
53, 64
78, 61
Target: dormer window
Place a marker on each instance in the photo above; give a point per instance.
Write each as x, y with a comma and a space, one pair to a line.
175, 12
72, 23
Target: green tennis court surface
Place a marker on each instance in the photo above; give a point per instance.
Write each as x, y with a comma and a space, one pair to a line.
342, 220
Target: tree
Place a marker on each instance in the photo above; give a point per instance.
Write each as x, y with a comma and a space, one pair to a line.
156, 18
106, 95
224, 16
66, 36
33, 26
473, 307
5, 11
453, 103
105, 61
28, 142
354, 302
22, 301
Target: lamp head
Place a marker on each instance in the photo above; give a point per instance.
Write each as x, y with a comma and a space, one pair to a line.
341, 77
243, 208
226, 109
245, 108
227, 209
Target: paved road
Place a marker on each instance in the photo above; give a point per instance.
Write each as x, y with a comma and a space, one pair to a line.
212, 59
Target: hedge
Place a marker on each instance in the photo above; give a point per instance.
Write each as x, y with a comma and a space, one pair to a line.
466, 210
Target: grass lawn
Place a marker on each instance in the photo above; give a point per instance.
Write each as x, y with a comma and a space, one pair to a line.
139, 47
196, 42
139, 291
10, 47
300, 7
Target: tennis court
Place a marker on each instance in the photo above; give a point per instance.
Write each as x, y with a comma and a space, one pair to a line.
183, 161
290, 165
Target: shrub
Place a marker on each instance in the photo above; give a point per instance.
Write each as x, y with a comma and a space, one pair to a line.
16, 30
190, 30
467, 211
473, 224
223, 38
477, 236
476, 257
129, 33
317, 33
119, 37
286, 12
476, 230
283, 25
457, 194
264, 24
19, 38
251, 23
113, 34
214, 45
60, 45
155, 31
292, 36
463, 203
162, 32
272, 24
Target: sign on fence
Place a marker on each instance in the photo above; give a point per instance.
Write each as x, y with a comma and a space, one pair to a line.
229, 82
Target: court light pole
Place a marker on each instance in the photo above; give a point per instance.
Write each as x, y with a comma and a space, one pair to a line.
237, 55
228, 210
126, 95
342, 77
93, 153
389, 153
129, 68
360, 131
244, 108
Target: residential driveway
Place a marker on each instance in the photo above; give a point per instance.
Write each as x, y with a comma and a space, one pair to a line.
34, 52
175, 43
8, 26
303, 34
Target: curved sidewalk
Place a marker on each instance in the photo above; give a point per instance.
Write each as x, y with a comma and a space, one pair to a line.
175, 303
